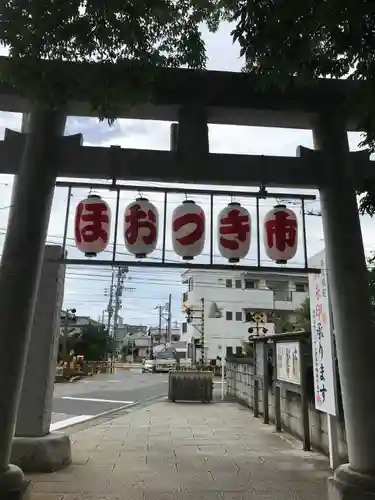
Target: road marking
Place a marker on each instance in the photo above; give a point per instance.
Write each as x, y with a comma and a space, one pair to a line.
69, 421
95, 400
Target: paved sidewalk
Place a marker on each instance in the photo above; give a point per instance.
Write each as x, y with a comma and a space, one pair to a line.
186, 452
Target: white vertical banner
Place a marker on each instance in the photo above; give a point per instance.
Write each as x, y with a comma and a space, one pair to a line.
322, 340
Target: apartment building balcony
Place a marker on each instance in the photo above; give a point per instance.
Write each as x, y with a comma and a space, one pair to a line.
288, 301
284, 300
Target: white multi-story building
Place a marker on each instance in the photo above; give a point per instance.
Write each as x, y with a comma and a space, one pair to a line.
277, 295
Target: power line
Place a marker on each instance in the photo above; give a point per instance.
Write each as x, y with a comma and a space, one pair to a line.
201, 283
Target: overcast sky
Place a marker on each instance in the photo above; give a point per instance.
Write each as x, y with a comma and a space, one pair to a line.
85, 286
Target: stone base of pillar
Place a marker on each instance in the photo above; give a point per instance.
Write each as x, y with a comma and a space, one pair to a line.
13, 485
41, 454
347, 484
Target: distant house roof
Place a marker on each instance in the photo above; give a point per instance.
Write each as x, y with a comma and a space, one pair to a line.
78, 321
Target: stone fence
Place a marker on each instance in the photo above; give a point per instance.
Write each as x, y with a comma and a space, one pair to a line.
282, 404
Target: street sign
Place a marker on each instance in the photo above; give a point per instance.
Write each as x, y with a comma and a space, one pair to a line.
288, 362
255, 317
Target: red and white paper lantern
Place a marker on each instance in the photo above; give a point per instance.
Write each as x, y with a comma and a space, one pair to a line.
280, 234
92, 225
188, 230
234, 232
141, 226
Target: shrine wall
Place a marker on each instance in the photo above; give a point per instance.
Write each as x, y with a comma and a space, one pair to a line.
240, 385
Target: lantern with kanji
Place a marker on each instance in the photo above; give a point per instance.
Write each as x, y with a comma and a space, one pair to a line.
141, 225
188, 230
92, 225
280, 234
234, 232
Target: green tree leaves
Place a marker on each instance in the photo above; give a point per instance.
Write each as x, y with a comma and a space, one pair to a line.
285, 39
160, 32
303, 316
93, 343
149, 34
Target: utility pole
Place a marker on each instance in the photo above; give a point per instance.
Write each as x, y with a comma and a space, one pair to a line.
121, 271
110, 302
160, 308
202, 332
190, 317
165, 312
169, 327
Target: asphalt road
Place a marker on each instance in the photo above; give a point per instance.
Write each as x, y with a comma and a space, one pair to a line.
88, 398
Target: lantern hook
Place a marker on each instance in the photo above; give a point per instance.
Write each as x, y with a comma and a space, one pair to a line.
262, 191
113, 185
113, 165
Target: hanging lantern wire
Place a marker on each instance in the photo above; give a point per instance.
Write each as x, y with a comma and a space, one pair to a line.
140, 196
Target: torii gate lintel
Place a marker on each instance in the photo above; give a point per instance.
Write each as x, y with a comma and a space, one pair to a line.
77, 161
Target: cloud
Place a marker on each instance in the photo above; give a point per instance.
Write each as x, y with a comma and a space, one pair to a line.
223, 54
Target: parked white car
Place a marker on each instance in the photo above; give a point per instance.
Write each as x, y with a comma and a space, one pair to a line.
162, 365
158, 365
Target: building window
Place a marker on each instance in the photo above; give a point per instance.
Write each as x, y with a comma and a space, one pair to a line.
238, 284
300, 287
184, 327
229, 315
184, 297
239, 316
249, 284
228, 283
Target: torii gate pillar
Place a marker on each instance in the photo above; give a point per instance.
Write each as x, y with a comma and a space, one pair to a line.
21, 264
351, 309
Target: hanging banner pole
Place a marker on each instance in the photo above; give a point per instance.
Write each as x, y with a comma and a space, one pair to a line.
322, 337
191, 230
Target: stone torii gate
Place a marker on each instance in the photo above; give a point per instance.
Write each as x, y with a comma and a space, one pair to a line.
40, 154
